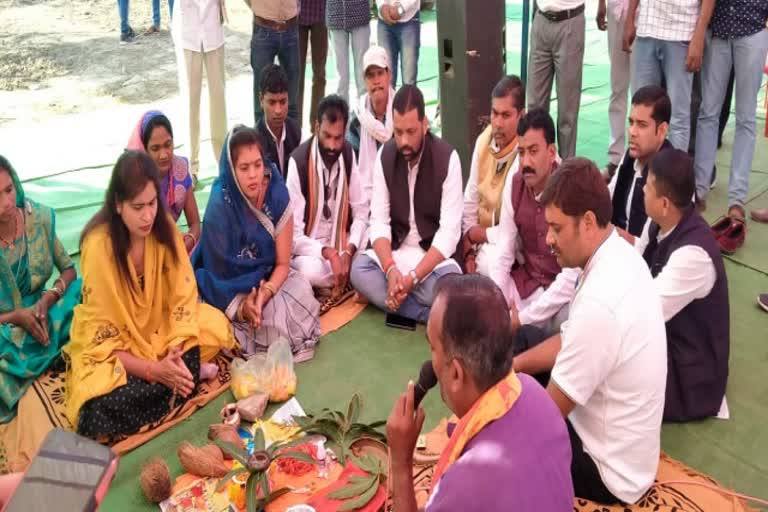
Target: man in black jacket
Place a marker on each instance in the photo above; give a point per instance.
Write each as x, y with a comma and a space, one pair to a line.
279, 134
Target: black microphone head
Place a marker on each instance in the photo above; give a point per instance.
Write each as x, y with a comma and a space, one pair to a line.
427, 377
427, 380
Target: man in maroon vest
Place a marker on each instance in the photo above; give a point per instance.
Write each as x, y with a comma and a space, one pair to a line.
416, 213
330, 210
689, 274
537, 289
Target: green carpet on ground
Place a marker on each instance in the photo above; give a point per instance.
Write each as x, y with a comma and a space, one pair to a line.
366, 356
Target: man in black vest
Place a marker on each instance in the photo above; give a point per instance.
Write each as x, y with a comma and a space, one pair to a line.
330, 209
416, 213
279, 134
688, 272
648, 127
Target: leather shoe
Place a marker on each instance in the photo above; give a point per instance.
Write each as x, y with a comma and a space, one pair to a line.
733, 238
760, 214
762, 301
721, 225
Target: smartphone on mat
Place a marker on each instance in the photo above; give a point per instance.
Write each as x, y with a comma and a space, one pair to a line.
69, 473
400, 322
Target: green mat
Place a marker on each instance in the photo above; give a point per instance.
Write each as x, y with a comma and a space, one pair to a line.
367, 357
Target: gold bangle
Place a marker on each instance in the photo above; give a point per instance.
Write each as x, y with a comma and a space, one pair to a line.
269, 286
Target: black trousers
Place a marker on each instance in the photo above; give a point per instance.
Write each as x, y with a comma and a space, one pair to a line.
587, 482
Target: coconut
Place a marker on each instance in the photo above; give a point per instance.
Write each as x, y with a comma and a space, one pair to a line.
206, 461
227, 433
155, 480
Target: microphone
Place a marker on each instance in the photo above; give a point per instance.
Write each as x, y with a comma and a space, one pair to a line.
427, 380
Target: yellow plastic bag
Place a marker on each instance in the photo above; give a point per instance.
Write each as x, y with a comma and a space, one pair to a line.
273, 375
279, 368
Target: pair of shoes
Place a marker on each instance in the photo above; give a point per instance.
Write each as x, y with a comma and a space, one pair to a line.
609, 171
760, 214
128, 37
731, 230
762, 301
152, 30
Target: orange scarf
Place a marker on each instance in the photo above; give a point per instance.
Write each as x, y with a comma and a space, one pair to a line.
492, 405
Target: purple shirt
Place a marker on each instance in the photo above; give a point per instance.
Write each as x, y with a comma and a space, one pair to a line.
311, 12
522, 461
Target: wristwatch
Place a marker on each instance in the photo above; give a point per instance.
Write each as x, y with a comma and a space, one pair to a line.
415, 278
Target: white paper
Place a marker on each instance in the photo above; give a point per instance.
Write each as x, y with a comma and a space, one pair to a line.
287, 411
724, 413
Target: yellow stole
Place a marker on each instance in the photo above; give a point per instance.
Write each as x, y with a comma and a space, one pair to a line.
490, 184
492, 405
146, 322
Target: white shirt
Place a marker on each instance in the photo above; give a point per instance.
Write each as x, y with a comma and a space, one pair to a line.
668, 20
613, 366
279, 144
411, 7
196, 25
619, 8
472, 194
306, 246
447, 237
688, 275
557, 295
557, 5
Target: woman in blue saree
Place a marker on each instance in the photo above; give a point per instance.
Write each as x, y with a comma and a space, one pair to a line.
242, 263
34, 321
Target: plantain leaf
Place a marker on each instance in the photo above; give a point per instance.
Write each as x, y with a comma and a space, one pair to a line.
302, 456
364, 464
258, 440
228, 477
353, 489
232, 451
361, 500
353, 411
251, 488
303, 421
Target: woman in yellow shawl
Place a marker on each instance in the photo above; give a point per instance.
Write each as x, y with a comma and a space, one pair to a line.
140, 335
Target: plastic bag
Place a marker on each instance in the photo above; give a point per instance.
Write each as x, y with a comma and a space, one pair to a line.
279, 368
273, 375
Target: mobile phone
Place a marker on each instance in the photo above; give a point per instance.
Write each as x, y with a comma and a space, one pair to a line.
400, 322
69, 473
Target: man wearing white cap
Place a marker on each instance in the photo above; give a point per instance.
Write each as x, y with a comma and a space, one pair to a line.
371, 125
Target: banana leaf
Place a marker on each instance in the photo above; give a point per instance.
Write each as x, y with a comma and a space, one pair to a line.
354, 489
228, 477
232, 451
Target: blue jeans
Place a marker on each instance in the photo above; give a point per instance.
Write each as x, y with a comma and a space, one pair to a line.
360, 39
266, 44
122, 9
747, 56
156, 11
402, 40
368, 279
655, 59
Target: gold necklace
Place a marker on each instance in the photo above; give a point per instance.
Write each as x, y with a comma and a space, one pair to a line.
9, 243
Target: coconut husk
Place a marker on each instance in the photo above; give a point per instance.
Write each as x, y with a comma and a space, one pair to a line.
227, 433
206, 461
155, 480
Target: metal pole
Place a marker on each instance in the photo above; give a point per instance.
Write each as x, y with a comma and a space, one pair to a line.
524, 46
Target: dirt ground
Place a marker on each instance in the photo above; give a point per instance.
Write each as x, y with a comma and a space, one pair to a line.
64, 56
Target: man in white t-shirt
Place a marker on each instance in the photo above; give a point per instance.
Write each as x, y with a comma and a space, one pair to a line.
609, 364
